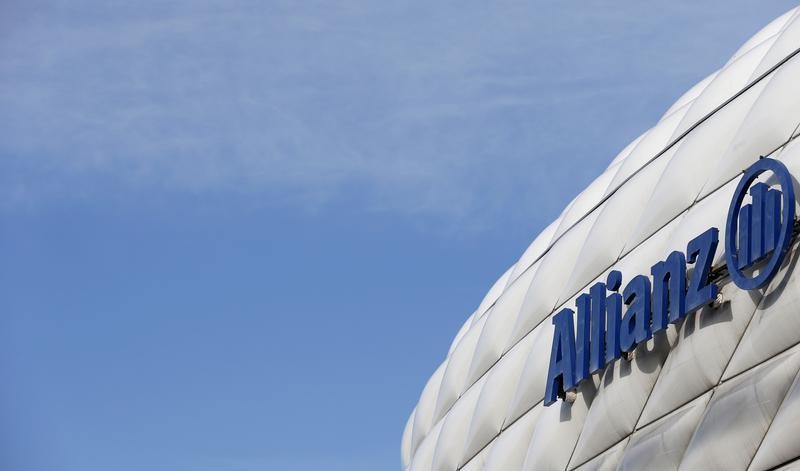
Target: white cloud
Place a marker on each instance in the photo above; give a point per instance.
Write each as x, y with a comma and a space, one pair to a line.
449, 109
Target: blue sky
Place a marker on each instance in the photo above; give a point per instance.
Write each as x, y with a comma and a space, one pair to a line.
241, 235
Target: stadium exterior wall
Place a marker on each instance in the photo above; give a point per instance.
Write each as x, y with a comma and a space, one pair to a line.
718, 389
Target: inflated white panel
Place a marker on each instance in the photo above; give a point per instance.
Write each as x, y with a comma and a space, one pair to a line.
621, 396
423, 414
449, 452
546, 286
463, 330
625, 386
776, 324
535, 250
781, 443
689, 165
478, 462
661, 444
767, 31
494, 339
605, 461
586, 201
793, 466
641, 258
501, 383
787, 42
710, 212
495, 291
706, 341
454, 381
405, 446
607, 238
729, 81
690, 95
625, 152
653, 142
512, 445
769, 124
739, 414
423, 457
789, 154
557, 430
530, 388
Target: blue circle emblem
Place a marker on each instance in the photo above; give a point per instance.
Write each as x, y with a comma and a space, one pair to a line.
784, 233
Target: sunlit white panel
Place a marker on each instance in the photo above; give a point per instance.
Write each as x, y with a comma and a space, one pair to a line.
557, 430
501, 384
423, 415
712, 211
495, 291
768, 125
625, 152
706, 341
512, 445
639, 259
422, 459
793, 466
661, 444
607, 238
690, 95
624, 385
494, 339
449, 452
454, 381
405, 444
530, 389
739, 414
773, 322
787, 41
776, 323
605, 461
653, 142
689, 165
766, 32
535, 250
781, 443
728, 82
554, 271
790, 156
621, 396
478, 462
460, 334
586, 201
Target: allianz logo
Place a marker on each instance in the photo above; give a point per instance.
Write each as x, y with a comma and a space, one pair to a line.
597, 332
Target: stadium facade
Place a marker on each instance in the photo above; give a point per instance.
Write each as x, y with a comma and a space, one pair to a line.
656, 323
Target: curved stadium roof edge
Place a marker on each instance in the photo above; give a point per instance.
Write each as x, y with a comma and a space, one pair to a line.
727, 371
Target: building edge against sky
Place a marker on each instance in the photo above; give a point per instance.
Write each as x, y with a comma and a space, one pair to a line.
717, 390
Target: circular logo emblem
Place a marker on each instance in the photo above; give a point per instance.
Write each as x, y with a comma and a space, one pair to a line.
762, 229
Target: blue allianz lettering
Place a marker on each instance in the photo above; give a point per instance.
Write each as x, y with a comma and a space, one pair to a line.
597, 333
602, 337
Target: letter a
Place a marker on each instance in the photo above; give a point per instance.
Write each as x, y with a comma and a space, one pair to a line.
561, 374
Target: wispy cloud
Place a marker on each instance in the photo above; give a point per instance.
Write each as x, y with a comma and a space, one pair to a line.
449, 109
